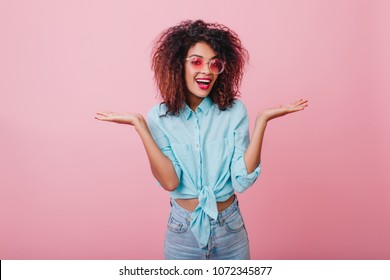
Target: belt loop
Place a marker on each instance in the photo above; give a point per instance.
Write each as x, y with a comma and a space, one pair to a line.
220, 219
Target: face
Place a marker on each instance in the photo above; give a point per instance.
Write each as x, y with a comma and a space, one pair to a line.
199, 81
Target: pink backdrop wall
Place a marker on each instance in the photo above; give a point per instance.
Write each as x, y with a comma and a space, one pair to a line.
75, 188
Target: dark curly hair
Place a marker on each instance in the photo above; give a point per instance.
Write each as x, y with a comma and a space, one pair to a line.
169, 53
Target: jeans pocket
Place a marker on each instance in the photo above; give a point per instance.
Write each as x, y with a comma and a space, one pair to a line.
234, 223
176, 226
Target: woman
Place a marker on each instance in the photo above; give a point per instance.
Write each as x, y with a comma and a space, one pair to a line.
197, 139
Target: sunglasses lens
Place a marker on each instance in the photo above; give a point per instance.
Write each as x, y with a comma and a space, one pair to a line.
197, 63
216, 66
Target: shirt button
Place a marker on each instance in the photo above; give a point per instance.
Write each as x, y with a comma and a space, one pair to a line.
197, 145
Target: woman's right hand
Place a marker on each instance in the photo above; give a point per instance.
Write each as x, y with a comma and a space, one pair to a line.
125, 118
161, 166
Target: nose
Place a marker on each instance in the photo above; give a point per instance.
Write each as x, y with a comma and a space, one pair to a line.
205, 69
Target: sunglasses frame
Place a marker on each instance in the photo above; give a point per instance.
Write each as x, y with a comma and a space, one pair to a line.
208, 64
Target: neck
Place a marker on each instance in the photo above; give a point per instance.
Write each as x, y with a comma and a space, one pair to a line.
194, 102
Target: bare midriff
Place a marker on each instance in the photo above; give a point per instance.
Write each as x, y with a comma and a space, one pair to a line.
191, 204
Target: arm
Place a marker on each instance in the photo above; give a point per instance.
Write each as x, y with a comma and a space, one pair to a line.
161, 166
252, 155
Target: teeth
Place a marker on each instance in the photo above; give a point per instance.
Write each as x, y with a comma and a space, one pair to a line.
203, 81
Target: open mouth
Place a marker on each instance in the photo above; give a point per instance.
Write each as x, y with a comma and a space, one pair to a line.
203, 83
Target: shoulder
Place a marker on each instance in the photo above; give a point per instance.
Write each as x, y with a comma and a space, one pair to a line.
157, 111
238, 105
238, 108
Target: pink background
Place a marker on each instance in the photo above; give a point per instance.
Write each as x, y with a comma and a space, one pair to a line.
75, 188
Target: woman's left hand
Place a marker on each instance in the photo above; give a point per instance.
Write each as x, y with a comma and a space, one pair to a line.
272, 113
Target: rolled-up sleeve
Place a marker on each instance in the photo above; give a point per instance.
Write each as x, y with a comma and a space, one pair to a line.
241, 180
162, 142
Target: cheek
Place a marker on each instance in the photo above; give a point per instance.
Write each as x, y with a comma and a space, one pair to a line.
188, 81
215, 81
189, 78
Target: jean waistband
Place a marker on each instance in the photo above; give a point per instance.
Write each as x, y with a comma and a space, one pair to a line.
186, 214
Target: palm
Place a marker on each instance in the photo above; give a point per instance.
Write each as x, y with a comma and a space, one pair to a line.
284, 109
121, 118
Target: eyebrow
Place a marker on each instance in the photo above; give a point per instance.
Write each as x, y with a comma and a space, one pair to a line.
196, 55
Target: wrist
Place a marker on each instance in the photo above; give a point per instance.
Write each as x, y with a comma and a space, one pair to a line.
262, 118
139, 122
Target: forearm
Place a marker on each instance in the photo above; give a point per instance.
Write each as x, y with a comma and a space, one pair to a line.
252, 154
161, 166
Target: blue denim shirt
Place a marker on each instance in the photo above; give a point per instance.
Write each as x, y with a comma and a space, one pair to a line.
207, 150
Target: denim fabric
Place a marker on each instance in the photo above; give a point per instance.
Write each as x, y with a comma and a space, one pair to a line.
228, 238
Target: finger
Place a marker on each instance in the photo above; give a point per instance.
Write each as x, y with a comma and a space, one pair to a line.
300, 108
301, 105
305, 103
299, 102
107, 113
101, 114
102, 118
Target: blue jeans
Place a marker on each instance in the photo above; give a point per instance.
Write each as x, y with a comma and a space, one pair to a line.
228, 238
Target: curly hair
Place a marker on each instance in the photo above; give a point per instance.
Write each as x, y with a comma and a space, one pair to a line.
169, 53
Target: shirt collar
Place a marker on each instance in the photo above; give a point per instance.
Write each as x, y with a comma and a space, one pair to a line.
204, 107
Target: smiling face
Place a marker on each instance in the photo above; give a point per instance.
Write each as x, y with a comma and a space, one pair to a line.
199, 82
